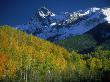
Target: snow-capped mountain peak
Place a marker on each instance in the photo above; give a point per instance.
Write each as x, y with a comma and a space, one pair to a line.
44, 12
48, 25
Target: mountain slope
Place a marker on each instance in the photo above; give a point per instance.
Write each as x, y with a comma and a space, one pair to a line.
101, 32
97, 37
26, 58
20, 52
81, 43
48, 25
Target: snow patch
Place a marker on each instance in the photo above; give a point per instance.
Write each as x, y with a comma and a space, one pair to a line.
53, 24
52, 14
106, 12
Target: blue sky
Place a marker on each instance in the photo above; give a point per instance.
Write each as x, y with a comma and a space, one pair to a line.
13, 12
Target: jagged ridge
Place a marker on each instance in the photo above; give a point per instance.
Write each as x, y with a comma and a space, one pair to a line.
48, 25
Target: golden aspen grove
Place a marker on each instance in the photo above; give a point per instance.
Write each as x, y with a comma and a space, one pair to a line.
26, 58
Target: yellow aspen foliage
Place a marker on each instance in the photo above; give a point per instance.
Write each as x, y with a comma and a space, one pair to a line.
96, 64
3, 62
27, 52
74, 67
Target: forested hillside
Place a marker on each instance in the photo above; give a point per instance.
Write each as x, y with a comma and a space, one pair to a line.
26, 58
